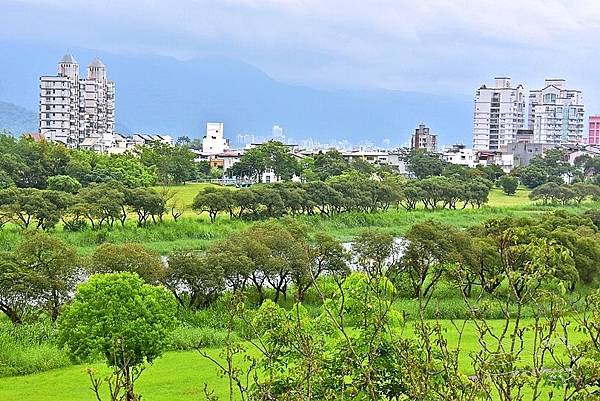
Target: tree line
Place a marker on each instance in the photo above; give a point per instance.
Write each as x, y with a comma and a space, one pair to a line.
280, 255
339, 194
563, 194
96, 206
25, 163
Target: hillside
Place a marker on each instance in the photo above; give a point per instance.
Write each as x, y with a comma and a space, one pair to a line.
16, 119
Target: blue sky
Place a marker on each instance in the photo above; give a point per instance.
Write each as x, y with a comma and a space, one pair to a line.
431, 46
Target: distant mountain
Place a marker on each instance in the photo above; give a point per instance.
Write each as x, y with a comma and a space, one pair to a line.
164, 95
16, 119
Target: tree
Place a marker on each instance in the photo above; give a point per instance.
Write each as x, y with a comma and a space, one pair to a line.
64, 183
508, 184
376, 253
582, 190
53, 266
133, 258
212, 200
329, 164
532, 176
101, 204
431, 246
146, 203
122, 319
271, 155
546, 192
424, 164
41, 271
326, 255
25, 206
193, 280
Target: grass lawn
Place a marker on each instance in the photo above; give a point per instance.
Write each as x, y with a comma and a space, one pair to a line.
184, 195
177, 376
498, 198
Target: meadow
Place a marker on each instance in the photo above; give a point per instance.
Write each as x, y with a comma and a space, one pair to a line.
180, 376
181, 373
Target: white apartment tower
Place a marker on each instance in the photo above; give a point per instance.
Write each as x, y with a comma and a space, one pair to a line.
214, 141
556, 114
78, 112
499, 113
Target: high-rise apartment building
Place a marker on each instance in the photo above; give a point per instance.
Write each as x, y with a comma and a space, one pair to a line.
79, 112
423, 139
556, 113
499, 113
594, 131
214, 141
277, 133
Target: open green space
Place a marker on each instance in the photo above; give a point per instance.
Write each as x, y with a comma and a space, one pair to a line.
180, 376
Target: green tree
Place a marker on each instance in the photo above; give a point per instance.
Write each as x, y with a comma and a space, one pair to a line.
431, 247
133, 258
532, 176
195, 282
212, 200
508, 184
122, 319
146, 203
423, 164
271, 155
64, 183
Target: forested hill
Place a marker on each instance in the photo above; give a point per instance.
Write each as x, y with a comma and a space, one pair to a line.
16, 119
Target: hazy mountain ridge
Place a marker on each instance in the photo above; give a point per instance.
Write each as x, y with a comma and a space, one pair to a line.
16, 119
163, 95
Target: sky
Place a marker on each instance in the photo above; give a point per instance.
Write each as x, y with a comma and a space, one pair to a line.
431, 46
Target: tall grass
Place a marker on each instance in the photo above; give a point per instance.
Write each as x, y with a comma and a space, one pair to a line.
28, 348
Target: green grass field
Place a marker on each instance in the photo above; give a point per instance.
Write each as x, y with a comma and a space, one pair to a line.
177, 376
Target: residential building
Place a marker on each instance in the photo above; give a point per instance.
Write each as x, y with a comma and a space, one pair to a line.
423, 139
214, 141
594, 131
556, 113
523, 152
277, 133
75, 111
499, 112
461, 155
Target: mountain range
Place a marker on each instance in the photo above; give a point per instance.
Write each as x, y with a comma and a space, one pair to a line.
156, 94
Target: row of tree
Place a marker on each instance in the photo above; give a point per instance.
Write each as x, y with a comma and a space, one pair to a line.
344, 193
97, 205
564, 194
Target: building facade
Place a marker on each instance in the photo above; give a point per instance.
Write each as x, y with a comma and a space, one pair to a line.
556, 114
499, 112
214, 141
594, 131
75, 111
423, 139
